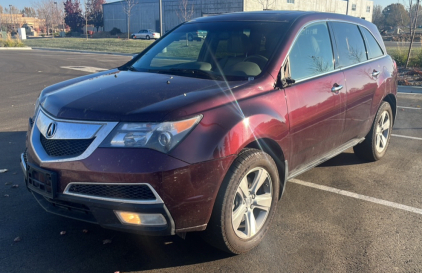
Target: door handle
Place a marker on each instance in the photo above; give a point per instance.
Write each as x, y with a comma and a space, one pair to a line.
375, 73
336, 88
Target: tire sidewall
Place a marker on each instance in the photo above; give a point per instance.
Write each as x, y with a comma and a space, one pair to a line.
385, 106
237, 244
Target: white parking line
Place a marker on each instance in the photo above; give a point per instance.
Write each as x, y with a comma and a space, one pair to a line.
357, 196
410, 137
414, 108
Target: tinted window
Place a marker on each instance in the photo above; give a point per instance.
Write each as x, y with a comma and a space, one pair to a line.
312, 52
374, 49
350, 46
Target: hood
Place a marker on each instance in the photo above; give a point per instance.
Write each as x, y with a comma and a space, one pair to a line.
129, 96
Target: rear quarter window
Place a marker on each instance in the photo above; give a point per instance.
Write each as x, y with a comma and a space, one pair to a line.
374, 49
350, 45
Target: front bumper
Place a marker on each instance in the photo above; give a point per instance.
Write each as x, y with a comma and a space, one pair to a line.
99, 210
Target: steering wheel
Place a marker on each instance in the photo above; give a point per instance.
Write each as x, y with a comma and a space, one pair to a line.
258, 59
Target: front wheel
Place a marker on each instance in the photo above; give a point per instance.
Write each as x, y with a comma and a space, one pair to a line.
148, 37
375, 145
245, 204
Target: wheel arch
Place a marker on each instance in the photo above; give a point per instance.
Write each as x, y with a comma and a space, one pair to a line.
272, 148
392, 100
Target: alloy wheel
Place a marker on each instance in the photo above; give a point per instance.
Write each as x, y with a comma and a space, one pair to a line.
382, 132
252, 203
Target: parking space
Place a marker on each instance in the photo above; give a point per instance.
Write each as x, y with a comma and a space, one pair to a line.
342, 216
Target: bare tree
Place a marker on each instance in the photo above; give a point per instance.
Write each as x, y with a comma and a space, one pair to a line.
266, 4
46, 10
127, 9
185, 11
413, 14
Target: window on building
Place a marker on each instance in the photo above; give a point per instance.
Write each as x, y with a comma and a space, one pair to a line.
312, 53
291, 1
368, 9
354, 7
350, 44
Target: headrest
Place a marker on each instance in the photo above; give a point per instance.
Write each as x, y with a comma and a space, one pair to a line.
238, 43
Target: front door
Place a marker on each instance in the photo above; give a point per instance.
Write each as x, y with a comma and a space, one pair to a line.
316, 101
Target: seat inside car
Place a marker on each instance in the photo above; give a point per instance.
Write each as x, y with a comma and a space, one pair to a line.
238, 46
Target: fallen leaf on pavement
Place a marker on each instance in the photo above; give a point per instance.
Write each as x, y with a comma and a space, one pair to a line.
85, 231
15, 186
62, 232
17, 239
6, 195
3, 170
106, 241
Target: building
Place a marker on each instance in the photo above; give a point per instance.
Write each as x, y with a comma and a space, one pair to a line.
17, 20
145, 15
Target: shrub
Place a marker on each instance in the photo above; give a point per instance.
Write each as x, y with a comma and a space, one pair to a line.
9, 42
115, 31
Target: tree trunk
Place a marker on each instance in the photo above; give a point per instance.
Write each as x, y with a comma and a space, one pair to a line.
412, 32
128, 24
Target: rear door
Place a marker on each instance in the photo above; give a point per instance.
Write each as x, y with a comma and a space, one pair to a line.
316, 101
361, 78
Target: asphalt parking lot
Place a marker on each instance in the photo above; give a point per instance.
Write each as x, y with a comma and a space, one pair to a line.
343, 216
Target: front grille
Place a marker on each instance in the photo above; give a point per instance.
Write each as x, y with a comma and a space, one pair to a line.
132, 192
65, 147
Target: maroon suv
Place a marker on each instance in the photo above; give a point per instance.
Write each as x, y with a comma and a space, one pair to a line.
202, 135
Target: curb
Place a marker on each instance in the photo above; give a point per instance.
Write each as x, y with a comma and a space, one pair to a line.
403, 89
16, 48
83, 51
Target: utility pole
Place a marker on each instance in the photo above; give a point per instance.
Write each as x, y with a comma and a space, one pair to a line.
11, 19
160, 6
56, 19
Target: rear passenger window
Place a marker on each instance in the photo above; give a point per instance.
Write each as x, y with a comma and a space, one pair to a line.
312, 53
350, 46
374, 49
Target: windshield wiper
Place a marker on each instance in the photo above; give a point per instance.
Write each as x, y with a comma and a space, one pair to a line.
196, 72
132, 68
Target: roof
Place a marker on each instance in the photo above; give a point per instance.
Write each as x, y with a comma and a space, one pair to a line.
281, 16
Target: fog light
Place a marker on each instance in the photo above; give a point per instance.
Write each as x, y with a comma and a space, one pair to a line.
141, 219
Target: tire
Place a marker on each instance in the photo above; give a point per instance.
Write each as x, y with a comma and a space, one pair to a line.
147, 37
376, 142
231, 226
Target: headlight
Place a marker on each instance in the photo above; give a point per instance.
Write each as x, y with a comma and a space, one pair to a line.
158, 136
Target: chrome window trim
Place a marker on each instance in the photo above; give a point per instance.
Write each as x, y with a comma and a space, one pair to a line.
157, 200
335, 69
102, 132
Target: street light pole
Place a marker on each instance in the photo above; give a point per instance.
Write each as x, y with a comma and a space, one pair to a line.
160, 6
11, 19
55, 19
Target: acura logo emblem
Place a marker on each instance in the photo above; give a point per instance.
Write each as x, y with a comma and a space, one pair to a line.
51, 130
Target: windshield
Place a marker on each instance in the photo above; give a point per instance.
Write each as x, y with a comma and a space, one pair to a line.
215, 50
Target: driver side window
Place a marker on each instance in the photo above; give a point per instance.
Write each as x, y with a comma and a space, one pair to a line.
312, 52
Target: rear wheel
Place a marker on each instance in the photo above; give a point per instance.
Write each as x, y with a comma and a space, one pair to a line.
375, 145
245, 204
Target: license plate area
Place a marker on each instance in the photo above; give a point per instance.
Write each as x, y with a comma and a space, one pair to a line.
41, 181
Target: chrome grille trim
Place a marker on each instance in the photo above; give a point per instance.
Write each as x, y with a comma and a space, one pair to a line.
68, 129
158, 199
